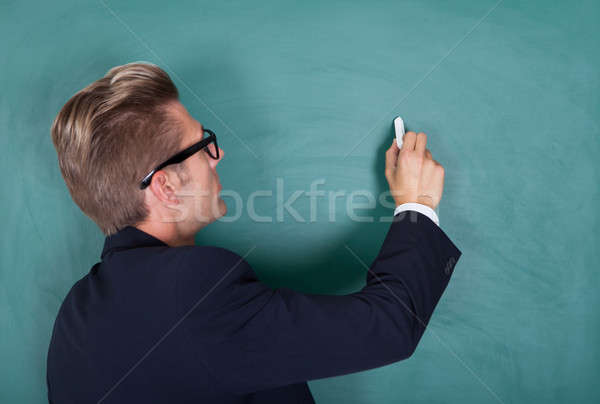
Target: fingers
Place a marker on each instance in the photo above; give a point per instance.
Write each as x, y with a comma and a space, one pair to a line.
428, 154
409, 140
421, 143
414, 141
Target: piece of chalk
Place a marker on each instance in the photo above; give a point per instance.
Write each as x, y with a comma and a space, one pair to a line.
399, 128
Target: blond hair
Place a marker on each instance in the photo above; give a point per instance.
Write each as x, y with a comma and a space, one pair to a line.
112, 133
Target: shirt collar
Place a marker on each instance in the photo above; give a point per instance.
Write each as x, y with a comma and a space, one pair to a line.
127, 238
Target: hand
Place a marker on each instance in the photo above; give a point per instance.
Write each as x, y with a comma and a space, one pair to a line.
412, 173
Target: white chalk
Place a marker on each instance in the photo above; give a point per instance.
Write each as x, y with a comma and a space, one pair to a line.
399, 128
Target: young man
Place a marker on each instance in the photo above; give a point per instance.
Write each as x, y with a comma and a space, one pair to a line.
164, 321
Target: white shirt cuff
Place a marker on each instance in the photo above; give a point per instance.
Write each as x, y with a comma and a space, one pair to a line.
424, 209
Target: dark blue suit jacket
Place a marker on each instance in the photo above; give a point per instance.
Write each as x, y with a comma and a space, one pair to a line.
157, 324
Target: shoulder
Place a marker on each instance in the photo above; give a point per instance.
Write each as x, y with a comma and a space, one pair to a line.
204, 268
80, 291
216, 289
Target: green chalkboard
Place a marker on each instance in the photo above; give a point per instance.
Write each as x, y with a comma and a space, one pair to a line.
299, 92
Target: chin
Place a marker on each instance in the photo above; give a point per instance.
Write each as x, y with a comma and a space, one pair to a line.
211, 215
222, 208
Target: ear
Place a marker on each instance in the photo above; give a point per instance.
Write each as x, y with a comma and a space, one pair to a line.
163, 188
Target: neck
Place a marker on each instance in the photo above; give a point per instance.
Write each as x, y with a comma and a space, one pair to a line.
168, 233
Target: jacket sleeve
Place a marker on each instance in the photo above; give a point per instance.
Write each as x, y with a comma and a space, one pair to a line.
252, 337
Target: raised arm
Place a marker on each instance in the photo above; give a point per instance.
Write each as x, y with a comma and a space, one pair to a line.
252, 337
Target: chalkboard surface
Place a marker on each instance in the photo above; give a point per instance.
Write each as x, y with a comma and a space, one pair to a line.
305, 92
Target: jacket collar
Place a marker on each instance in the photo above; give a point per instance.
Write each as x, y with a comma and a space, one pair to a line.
127, 238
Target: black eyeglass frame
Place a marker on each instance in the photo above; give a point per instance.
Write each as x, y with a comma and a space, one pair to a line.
184, 154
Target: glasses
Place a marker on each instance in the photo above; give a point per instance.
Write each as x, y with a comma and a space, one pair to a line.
208, 144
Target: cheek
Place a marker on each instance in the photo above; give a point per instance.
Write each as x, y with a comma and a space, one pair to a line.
205, 176
201, 170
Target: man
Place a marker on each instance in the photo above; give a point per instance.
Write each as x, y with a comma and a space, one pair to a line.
161, 320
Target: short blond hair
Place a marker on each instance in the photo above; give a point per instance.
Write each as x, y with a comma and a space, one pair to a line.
109, 135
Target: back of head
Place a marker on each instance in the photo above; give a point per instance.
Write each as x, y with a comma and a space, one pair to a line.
109, 135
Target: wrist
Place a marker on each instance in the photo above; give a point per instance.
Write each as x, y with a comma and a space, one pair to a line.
422, 199
426, 200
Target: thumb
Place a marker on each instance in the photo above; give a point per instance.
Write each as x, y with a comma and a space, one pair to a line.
391, 157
